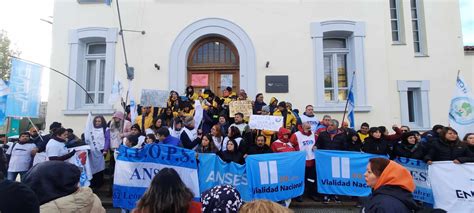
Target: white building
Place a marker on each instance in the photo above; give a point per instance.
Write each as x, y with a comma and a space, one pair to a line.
405, 54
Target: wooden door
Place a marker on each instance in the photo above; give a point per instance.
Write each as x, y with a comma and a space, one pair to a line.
216, 81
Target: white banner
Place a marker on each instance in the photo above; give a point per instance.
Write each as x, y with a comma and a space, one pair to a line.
266, 122
453, 186
461, 116
81, 160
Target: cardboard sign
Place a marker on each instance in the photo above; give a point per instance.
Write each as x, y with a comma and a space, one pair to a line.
244, 107
199, 80
155, 98
266, 122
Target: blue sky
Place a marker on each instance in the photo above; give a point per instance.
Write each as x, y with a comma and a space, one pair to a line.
467, 18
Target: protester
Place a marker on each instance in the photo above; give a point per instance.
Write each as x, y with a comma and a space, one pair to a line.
363, 131
100, 144
145, 120
283, 143
43, 143
119, 129
375, 144
55, 183
72, 139
157, 123
17, 197
165, 138
269, 134
177, 128
392, 186
432, 135
56, 147
217, 136
173, 101
469, 141
190, 94
289, 120
273, 105
404, 129
263, 206
409, 147
167, 117
221, 198
449, 148
207, 145
130, 141
223, 122
34, 135
259, 147
234, 134
167, 193
20, 156
150, 138
135, 130
323, 124
333, 138
258, 104
239, 123
309, 116
354, 143
392, 138
231, 153
191, 136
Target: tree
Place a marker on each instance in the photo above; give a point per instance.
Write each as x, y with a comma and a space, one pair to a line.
5, 52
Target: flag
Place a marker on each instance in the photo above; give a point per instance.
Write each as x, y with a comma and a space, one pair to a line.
133, 104
351, 105
116, 92
4, 89
461, 111
108, 2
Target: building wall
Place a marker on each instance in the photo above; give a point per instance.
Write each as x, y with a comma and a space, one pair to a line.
280, 33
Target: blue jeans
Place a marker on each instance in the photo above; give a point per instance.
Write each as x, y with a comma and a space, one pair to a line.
12, 175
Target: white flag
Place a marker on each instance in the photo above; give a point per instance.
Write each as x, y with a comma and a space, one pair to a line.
461, 111
4, 89
453, 186
116, 93
133, 104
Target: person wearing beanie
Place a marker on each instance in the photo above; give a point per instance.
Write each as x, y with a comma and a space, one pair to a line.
17, 197
119, 129
409, 147
392, 187
221, 198
289, 120
273, 105
136, 131
55, 184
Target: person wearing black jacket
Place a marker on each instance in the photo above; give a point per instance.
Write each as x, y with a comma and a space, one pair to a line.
449, 148
353, 144
332, 138
231, 154
190, 137
259, 147
375, 144
409, 147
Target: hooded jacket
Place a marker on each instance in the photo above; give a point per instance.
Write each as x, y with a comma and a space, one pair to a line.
392, 192
81, 201
282, 144
448, 151
290, 120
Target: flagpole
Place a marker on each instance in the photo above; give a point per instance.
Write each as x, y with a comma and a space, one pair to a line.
347, 98
34, 126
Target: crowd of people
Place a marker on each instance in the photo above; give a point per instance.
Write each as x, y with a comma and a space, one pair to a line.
201, 121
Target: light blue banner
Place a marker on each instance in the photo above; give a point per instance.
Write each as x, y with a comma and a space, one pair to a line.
277, 176
24, 98
342, 173
213, 171
135, 169
419, 171
3, 106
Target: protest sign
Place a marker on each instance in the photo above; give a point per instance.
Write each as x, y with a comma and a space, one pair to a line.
81, 160
213, 171
244, 107
276, 176
135, 169
156, 98
266, 122
342, 173
419, 171
453, 186
24, 98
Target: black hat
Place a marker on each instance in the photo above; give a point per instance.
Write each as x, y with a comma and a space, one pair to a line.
136, 126
17, 197
55, 125
282, 104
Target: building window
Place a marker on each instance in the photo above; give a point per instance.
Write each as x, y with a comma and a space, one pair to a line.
335, 69
339, 50
92, 63
414, 104
417, 23
95, 73
396, 21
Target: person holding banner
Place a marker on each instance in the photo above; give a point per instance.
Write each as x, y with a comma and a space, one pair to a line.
217, 136
146, 119
167, 193
392, 186
207, 145
232, 153
259, 147
409, 147
56, 147
289, 120
283, 143
375, 144
234, 134
469, 141
449, 148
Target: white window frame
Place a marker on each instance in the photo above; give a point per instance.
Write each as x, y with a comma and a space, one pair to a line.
420, 20
400, 22
98, 58
334, 52
422, 111
354, 32
78, 40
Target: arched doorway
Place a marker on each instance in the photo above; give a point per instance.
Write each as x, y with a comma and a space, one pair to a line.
213, 63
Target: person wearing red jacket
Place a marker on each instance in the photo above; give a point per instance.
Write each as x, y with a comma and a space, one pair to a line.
305, 140
283, 143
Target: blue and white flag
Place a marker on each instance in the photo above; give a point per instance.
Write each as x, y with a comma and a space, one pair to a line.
24, 98
342, 173
133, 104
419, 172
135, 169
213, 171
277, 176
4, 89
3, 107
351, 105
461, 111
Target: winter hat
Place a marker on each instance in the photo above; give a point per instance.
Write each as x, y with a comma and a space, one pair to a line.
17, 197
223, 198
136, 126
118, 114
